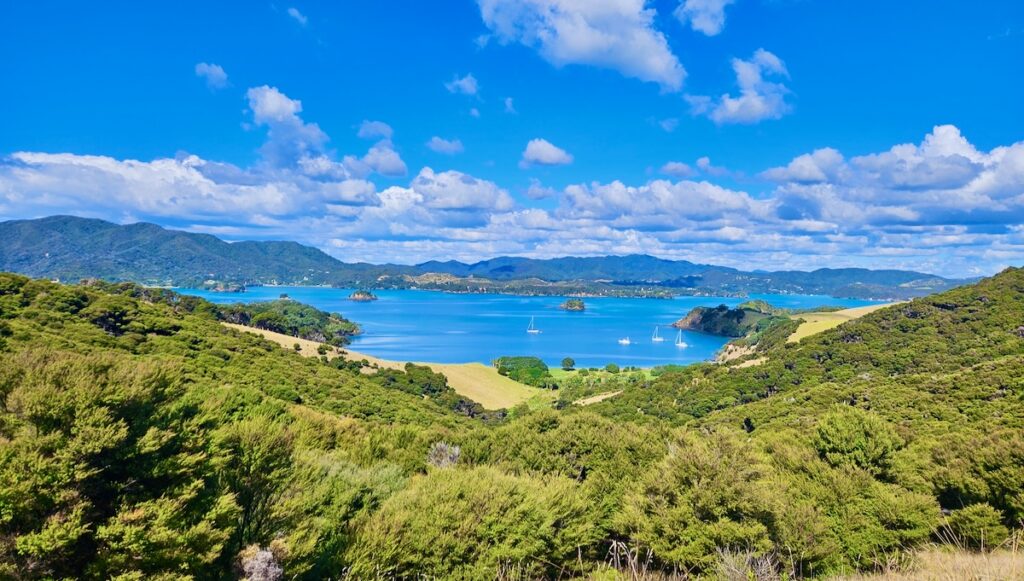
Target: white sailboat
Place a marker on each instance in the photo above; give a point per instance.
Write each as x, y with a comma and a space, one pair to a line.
657, 338
679, 340
533, 330
624, 341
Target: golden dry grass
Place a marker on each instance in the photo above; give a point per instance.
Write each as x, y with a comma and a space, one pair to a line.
955, 565
486, 386
815, 323
478, 382
597, 398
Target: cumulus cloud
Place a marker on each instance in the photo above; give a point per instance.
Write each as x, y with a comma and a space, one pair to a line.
184, 188
466, 85
289, 138
374, 130
707, 16
940, 204
658, 203
942, 180
214, 75
705, 166
381, 158
453, 190
543, 152
298, 16
821, 165
538, 191
510, 106
612, 34
445, 146
677, 169
759, 98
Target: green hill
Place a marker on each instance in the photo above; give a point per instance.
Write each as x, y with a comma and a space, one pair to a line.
70, 249
722, 320
141, 438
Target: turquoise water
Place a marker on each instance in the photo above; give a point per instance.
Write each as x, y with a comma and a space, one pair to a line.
409, 325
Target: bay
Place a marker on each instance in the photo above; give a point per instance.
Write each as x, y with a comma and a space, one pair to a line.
428, 326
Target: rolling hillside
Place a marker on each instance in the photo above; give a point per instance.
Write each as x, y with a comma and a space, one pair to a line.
70, 248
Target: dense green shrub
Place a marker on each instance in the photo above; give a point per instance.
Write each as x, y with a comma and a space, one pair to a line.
709, 493
474, 524
104, 471
528, 370
978, 526
849, 435
292, 318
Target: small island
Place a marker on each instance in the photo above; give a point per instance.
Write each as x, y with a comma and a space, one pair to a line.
573, 305
362, 296
222, 287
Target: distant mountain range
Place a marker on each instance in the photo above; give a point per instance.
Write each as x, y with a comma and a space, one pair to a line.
71, 248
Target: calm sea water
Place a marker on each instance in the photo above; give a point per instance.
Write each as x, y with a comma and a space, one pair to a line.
409, 325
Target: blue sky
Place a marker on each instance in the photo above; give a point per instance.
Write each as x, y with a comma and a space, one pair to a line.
756, 133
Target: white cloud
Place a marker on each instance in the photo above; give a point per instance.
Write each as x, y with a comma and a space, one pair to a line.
543, 152
289, 138
705, 166
510, 107
612, 34
538, 191
908, 206
658, 203
759, 99
707, 16
668, 125
677, 169
298, 16
183, 188
214, 75
822, 165
291, 142
466, 85
445, 146
943, 180
375, 130
474, 113
453, 190
381, 158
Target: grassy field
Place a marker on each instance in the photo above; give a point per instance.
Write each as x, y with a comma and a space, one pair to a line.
939, 565
485, 386
478, 382
597, 398
817, 322
559, 374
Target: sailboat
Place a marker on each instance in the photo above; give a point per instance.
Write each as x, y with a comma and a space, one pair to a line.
679, 340
657, 338
533, 330
624, 341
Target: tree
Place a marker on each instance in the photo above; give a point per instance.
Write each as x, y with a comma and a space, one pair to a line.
255, 459
611, 368
849, 435
709, 493
568, 363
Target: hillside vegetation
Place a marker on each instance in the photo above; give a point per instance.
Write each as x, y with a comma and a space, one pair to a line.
78, 248
141, 438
